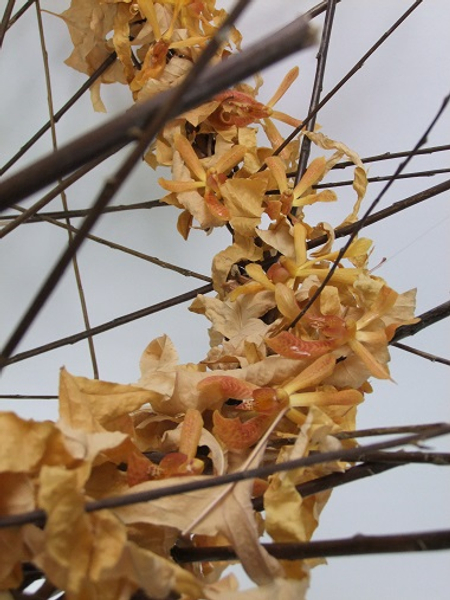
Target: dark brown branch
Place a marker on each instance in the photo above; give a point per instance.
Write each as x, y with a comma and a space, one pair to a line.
349, 75
422, 354
401, 457
358, 545
5, 20
426, 319
345, 455
60, 113
328, 482
20, 12
317, 87
123, 320
109, 138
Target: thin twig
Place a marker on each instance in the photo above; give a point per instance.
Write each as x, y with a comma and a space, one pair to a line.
378, 179
51, 195
317, 87
345, 455
61, 112
19, 13
5, 20
354, 233
392, 155
422, 354
123, 320
333, 480
107, 139
125, 249
357, 545
439, 459
75, 266
27, 397
82, 212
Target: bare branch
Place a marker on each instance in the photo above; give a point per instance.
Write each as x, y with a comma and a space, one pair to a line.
428, 318
317, 87
392, 155
5, 20
421, 353
128, 318
356, 545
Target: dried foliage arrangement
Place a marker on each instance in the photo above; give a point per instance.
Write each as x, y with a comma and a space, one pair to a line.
295, 334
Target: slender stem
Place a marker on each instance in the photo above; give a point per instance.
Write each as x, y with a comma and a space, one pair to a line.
99, 240
440, 459
392, 155
333, 480
75, 266
82, 212
19, 13
373, 431
123, 320
317, 87
429, 173
355, 231
357, 545
5, 20
422, 354
28, 397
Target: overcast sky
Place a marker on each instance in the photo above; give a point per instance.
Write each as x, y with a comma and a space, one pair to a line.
385, 107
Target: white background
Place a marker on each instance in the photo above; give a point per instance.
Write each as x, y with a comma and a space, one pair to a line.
385, 107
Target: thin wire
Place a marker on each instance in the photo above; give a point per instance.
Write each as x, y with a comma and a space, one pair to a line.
317, 88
